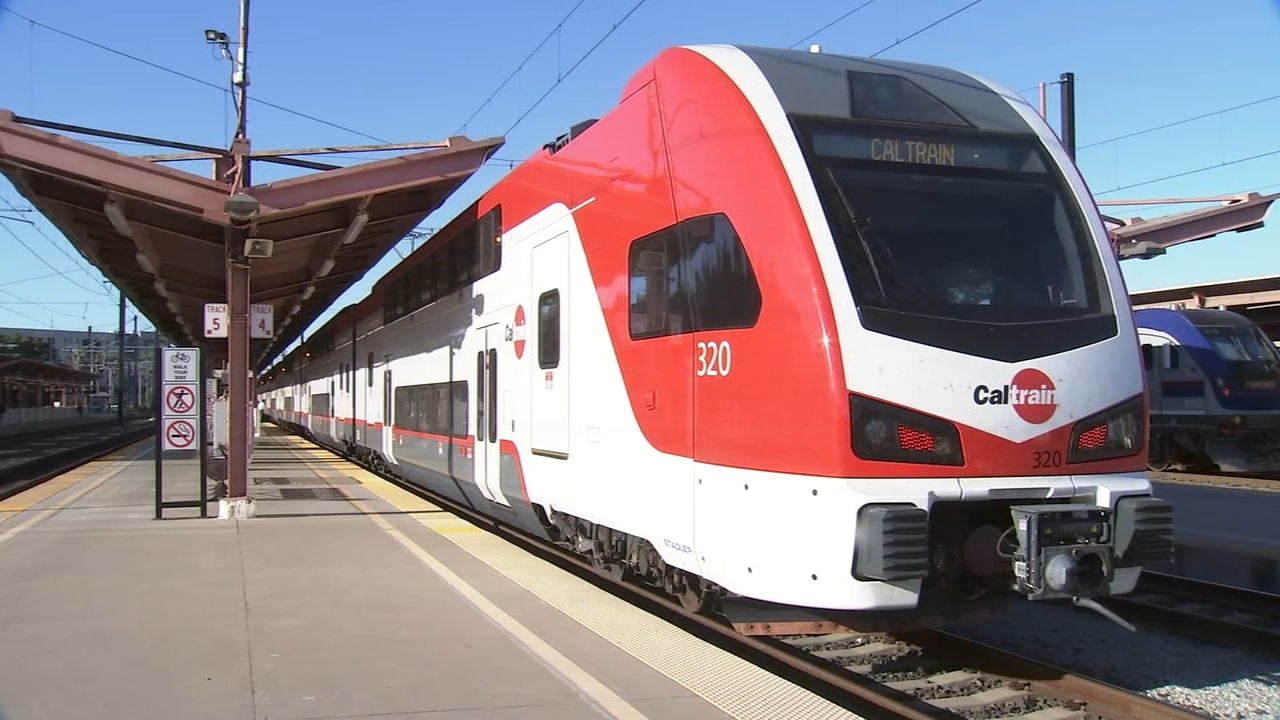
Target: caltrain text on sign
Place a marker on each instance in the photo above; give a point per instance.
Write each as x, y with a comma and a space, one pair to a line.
913, 151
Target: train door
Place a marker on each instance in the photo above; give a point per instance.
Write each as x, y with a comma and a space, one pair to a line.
369, 416
331, 421
488, 459
550, 366
388, 418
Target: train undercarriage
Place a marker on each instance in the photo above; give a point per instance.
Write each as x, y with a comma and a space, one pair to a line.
969, 551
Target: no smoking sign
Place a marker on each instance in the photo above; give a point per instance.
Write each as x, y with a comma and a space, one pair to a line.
179, 434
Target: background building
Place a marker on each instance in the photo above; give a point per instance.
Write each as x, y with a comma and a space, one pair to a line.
97, 353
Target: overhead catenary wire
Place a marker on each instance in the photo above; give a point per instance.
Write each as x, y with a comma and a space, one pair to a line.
79, 266
1195, 171
928, 27
829, 25
64, 273
574, 66
520, 66
46, 306
193, 78
1184, 121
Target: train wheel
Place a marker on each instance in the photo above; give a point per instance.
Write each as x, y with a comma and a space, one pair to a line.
614, 570
697, 597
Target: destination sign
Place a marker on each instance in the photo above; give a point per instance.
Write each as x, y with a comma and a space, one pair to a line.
921, 149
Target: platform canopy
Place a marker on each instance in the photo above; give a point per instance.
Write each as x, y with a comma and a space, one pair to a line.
16, 366
1257, 298
159, 233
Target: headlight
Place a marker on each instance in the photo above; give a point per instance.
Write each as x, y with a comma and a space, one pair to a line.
1114, 432
888, 432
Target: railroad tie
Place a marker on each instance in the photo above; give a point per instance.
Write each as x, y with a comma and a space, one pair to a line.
1053, 713
986, 697
874, 648
955, 677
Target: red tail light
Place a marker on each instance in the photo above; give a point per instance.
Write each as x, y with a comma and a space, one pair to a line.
1094, 437
1118, 431
887, 432
910, 438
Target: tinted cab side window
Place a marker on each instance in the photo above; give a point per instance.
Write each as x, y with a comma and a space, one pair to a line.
692, 276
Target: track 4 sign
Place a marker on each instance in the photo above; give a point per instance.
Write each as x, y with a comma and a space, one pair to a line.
217, 321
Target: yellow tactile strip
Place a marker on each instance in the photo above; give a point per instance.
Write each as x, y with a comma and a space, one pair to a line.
27, 498
735, 686
103, 469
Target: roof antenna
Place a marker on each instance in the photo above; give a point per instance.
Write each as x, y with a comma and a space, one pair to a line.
815, 48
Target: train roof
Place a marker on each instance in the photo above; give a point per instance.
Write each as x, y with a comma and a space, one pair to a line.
846, 86
1158, 318
811, 84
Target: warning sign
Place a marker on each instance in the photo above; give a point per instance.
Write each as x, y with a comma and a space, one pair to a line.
179, 434
180, 400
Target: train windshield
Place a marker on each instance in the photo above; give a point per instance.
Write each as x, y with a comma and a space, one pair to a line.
967, 242
1242, 343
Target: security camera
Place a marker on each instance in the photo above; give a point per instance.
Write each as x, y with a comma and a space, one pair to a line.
258, 248
241, 207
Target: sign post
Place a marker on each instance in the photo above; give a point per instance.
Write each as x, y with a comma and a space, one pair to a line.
179, 409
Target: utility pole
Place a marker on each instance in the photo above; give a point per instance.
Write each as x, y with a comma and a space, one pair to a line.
1068, 82
120, 365
238, 290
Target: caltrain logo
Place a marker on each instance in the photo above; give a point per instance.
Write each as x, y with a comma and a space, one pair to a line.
1031, 393
516, 333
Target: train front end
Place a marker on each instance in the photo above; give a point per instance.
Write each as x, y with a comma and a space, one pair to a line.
995, 397
1214, 384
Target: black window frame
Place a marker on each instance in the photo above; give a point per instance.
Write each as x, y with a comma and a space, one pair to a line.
1005, 341
457, 262
693, 304
549, 342
431, 408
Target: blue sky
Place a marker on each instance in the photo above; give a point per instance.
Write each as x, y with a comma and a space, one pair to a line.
403, 70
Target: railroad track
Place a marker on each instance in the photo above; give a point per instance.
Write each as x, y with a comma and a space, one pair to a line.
16, 478
918, 675
1237, 481
966, 678
1206, 610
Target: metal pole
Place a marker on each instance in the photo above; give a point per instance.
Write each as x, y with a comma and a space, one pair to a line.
159, 450
120, 365
1044, 100
136, 389
238, 290
203, 435
1069, 113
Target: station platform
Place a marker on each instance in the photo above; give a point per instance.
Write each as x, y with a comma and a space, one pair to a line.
346, 597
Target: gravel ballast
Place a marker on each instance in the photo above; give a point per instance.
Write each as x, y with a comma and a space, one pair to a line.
1218, 681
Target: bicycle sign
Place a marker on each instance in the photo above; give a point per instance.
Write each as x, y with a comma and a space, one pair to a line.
181, 365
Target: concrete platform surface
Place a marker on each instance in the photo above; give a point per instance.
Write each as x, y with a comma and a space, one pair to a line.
345, 598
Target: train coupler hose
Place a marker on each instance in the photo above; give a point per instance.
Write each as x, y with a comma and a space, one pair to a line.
1105, 611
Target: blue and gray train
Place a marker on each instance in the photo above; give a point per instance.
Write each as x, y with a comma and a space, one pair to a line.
1214, 383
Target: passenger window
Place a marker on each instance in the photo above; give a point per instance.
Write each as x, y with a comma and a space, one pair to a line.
549, 329
370, 370
692, 276
1147, 356
725, 292
658, 307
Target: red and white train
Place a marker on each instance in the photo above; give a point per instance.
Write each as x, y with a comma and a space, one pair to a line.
807, 329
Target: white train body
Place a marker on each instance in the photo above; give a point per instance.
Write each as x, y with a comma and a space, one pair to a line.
766, 430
